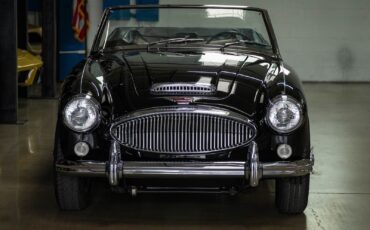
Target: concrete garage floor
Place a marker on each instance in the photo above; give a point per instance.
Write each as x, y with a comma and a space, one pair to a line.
340, 188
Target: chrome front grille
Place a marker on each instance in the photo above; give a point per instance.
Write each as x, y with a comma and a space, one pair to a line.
183, 130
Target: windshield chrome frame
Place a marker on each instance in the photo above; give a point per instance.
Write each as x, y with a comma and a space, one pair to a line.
265, 15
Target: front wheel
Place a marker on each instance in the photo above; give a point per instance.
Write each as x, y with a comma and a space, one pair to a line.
71, 192
291, 194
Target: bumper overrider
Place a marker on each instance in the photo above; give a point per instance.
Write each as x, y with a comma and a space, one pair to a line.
253, 170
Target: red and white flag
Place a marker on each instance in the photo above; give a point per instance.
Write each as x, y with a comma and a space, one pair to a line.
80, 20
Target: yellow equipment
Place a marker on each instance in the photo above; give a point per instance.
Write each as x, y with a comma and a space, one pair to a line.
30, 63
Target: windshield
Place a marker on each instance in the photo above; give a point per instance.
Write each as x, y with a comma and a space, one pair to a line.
185, 27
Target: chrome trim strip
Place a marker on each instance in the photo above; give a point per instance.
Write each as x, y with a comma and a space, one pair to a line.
183, 88
82, 168
198, 109
254, 165
253, 170
183, 169
287, 169
138, 169
115, 164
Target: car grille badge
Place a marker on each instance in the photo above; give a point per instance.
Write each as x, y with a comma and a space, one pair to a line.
182, 100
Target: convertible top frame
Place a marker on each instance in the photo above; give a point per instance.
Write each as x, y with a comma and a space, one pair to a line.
264, 12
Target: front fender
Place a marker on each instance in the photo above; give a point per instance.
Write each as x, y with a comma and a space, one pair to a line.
284, 81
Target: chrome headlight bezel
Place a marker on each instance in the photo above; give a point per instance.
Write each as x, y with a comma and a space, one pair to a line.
94, 105
292, 102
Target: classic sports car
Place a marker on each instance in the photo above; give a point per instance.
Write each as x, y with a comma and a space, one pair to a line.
196, 99
29, 63
28, 67
34, 39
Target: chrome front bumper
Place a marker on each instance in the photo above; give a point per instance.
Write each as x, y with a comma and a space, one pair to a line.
252, 171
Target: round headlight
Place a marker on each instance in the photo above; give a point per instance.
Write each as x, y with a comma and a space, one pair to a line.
81, 114
284, 114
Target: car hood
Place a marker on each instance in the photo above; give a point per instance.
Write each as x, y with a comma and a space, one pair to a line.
128, 77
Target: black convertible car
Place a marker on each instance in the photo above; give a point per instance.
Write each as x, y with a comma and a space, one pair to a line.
196, 99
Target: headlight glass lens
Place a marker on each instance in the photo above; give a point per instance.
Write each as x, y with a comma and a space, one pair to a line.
81, 114
284, 114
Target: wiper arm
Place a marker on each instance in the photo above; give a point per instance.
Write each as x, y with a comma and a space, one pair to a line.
244, 42
175, 40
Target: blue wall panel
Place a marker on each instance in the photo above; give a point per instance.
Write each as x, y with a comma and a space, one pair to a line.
118, 15
67, 62
35, 5
67, 41
149, 15
108, 3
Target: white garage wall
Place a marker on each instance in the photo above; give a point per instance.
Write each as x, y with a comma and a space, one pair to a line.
95, 9
324, 40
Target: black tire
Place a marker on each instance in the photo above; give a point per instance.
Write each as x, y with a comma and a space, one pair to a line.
71, 192
291, 194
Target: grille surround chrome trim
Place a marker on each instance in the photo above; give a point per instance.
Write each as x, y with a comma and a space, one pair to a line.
183, 88
201, 112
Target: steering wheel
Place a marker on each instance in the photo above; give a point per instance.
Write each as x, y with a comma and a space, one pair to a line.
228, 35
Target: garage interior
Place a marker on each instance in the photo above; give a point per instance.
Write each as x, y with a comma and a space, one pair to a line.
327, 42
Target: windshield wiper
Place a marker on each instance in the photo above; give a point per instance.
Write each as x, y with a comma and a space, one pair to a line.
175, 40
244, 42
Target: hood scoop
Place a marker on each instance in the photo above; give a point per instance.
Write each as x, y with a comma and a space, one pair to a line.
179, 88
